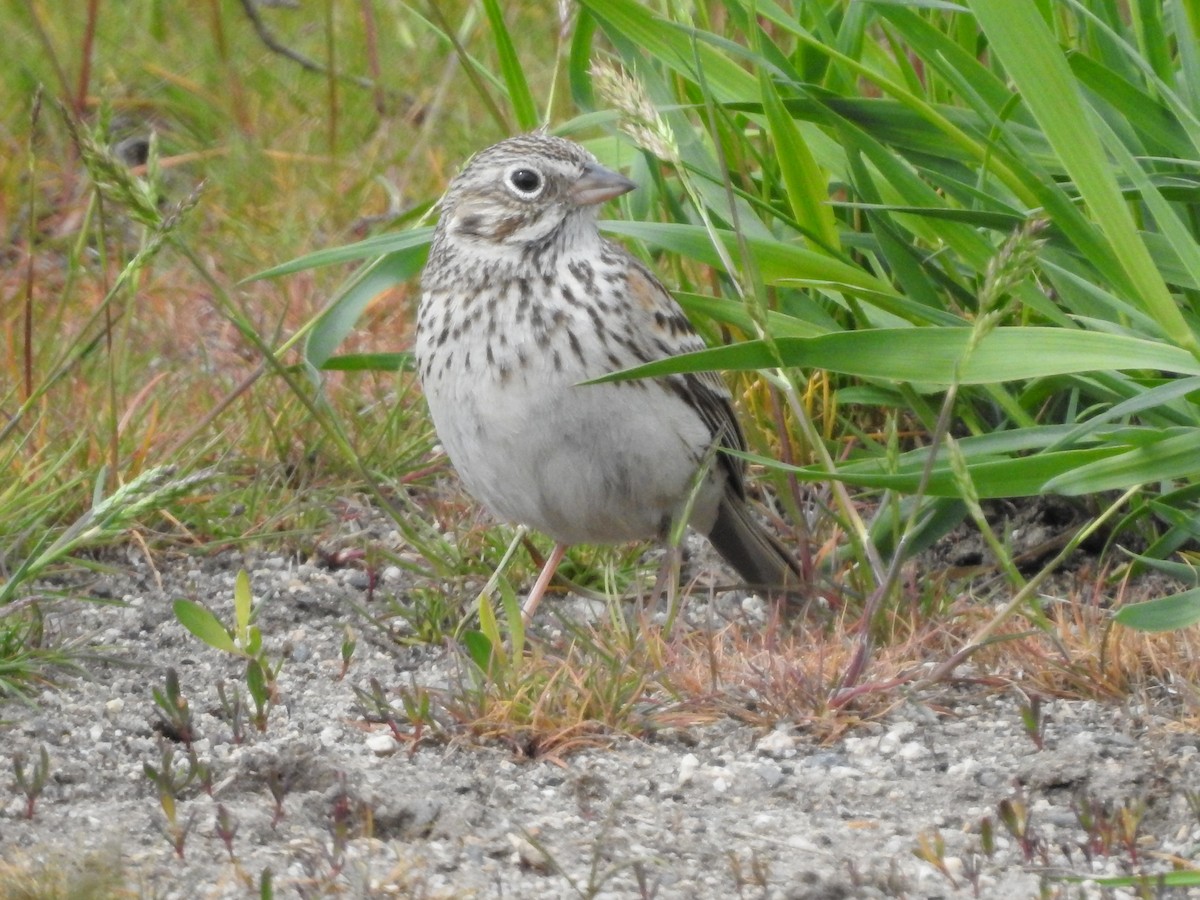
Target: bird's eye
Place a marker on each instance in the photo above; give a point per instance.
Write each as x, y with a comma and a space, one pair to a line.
526, 181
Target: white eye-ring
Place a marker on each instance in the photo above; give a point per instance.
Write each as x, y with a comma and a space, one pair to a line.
524, 181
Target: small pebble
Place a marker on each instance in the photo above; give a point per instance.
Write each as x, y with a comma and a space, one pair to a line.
382, 744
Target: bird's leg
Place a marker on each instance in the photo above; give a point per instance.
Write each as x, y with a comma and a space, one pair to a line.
543, 581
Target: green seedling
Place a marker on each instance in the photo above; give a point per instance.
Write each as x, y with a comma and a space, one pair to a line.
339, 827
344, 814
418, 711
243, 640
1193, 802
225, 828
170, 781
1107, 827
349, 642
603, 867
1034, 721
931, 847
278, 785
1014, 815
376, 709
324, 864
987, 836
430, 615
1129, 823
751, 874
1095, 818
176, 722
232, 710
497, 655
31, 783
647, 889
972, 869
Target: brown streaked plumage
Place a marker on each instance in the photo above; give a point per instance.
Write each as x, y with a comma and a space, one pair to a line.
522, 301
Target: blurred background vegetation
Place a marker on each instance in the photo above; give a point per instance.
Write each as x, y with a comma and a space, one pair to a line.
960, 241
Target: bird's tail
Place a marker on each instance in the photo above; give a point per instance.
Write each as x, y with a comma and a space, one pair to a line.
756, 554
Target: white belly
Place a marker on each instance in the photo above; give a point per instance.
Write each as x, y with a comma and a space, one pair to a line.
501, 369
581, 463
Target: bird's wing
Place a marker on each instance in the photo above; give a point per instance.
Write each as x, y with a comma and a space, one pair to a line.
662, 330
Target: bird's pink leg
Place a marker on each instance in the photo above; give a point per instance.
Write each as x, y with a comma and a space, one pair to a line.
539, 587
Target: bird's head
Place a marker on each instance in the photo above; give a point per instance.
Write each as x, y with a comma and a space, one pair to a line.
527, 191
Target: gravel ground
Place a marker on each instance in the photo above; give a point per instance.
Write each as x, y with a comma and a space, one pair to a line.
723, 810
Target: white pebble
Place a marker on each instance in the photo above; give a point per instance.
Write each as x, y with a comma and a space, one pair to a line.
687, 768
913, 750
777, 744
382, 744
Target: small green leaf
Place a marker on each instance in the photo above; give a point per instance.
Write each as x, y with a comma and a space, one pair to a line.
480, 650
511, 604
253, 641
243, 600
1164, 614
204, 625
256, 683
490, 629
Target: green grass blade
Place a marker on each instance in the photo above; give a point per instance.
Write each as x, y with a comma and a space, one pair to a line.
730, 312
380, 245
1172, 456
1023, 41
776, 261
337, 320
579, 61
519, 94
933, 356
804, 183
633, 25
1024, 476
368, 362
1163, 614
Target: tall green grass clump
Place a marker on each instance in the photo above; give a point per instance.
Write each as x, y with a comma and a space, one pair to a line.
961, 241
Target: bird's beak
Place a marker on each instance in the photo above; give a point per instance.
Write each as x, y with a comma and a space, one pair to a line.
598, 184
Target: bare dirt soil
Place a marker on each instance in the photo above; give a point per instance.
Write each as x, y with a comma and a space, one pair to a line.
723, 810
